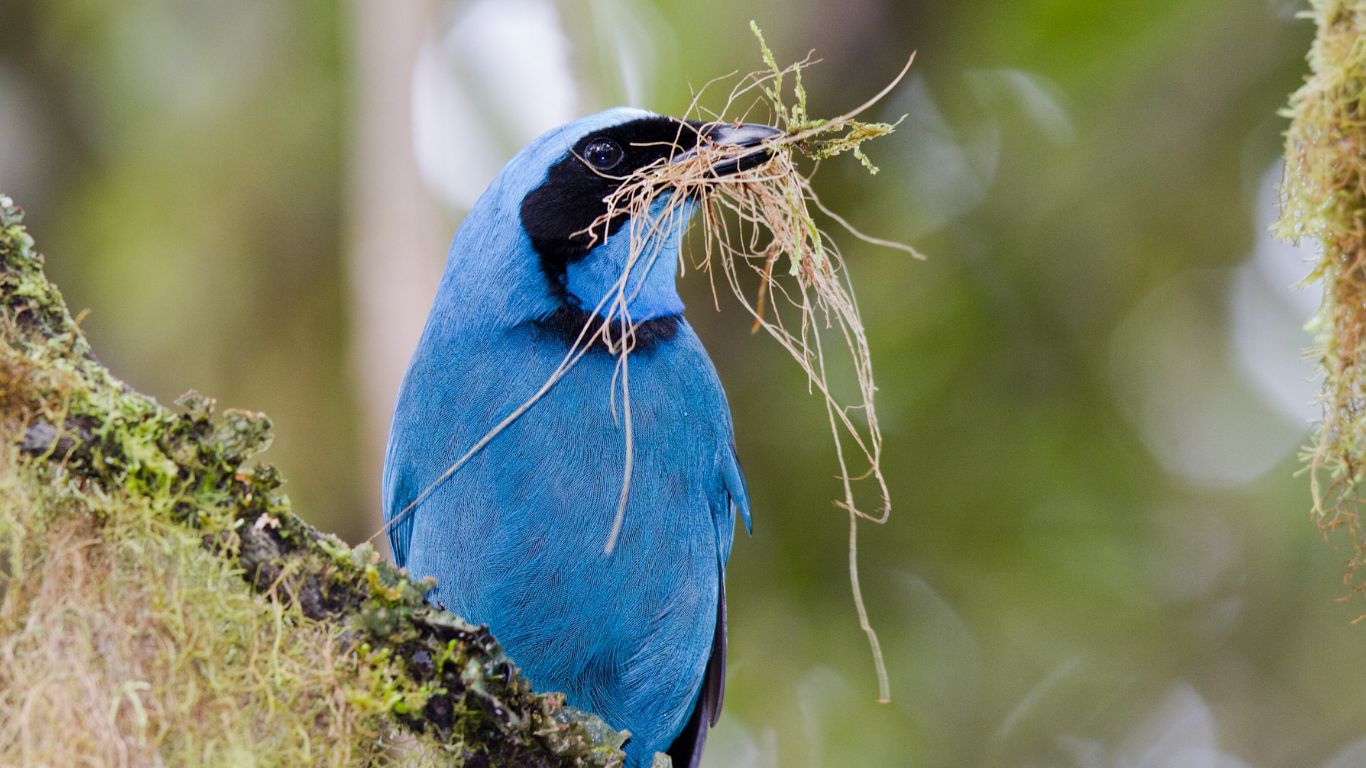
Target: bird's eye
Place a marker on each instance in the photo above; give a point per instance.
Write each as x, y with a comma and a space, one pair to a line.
603, 154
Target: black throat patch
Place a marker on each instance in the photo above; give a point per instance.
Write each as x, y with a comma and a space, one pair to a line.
569, 323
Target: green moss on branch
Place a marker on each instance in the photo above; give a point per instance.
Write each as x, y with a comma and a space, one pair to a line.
1324, 198
150, 572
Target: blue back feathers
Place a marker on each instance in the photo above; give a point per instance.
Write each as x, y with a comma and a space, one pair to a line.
516, 535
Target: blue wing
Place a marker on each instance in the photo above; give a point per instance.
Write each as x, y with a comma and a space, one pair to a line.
398, 522
686, 751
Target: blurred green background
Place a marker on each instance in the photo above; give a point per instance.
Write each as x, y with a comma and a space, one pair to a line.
1092, 392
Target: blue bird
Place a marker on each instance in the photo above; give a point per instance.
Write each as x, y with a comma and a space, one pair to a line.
517, 535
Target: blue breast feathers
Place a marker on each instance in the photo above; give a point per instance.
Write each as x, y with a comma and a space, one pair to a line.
516, 536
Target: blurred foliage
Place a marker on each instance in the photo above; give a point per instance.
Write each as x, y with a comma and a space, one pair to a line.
1051, 590
203, 190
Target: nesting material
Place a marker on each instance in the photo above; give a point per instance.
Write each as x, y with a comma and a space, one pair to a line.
761, 237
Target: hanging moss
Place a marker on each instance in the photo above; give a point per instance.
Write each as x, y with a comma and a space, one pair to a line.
1324, 199
161, 603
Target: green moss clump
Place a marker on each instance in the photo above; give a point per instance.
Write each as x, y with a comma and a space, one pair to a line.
1324, 198
161, 604
816, 138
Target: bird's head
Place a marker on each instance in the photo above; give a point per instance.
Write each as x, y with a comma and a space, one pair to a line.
540, 244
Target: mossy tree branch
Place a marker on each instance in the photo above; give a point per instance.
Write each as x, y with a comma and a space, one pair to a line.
79, 445
1324, 199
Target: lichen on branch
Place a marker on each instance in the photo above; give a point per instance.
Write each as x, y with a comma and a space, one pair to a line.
1323, 197
160, 603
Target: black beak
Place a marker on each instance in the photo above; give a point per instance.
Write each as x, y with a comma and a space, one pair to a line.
745, 136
